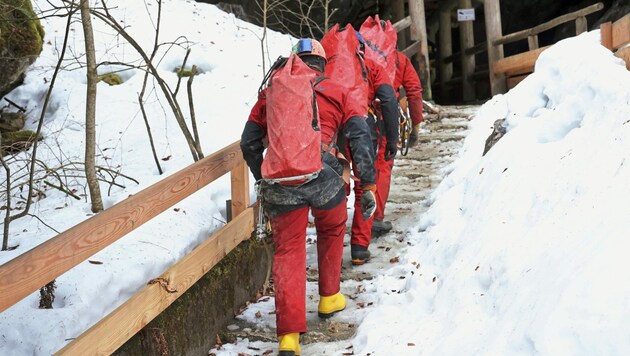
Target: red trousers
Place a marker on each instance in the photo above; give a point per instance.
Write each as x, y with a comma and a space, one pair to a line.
361, 230
383, 180
289, 261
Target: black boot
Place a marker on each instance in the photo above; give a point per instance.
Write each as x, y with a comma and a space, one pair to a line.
360, 254
380, 227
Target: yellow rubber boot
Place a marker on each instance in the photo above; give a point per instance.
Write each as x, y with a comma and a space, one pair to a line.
289, 345
330, 305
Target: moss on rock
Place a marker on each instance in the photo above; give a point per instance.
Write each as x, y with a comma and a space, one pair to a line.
13, 142
21, 41
111, 78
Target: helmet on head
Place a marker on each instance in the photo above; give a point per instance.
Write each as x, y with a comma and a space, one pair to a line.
309, 47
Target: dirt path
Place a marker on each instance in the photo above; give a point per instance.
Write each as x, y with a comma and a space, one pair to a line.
414, 178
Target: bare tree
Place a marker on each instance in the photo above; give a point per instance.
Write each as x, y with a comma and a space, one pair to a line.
311, 17
170, 96
32, 168
90, 109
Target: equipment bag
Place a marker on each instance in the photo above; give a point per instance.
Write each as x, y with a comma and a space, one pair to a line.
380, 44
294, 154
345, 62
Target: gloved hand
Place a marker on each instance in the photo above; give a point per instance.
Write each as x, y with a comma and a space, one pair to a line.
390, 150
368, 201
413, 137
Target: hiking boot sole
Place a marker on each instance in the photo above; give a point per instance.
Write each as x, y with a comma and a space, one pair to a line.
329, 315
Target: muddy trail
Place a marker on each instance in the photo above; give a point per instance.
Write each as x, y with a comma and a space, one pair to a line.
414, 178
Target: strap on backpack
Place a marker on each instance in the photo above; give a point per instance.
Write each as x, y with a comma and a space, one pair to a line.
362, 62
279, 63
315, 121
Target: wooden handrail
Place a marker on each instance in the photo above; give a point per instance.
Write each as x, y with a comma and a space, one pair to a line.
521, 35
113, 331
35, 268
620, 35
518, 63
478, 48
402, 24
411, 49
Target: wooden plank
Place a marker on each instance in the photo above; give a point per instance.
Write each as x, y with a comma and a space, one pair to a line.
605, 30
532, 42
478, 48
398, 11
30, 271
621, 32
581, 25
467, 40
115, 329
518, 62
445, 49
520, 35
492, 15
419, 33
412, 49
513, 81
624, 54
240, 188
402, 24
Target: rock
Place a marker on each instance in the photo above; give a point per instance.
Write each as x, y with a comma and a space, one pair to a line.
13, 142
498, 131
21, 40
12, 121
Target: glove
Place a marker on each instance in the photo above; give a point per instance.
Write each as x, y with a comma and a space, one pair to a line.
368, 201
390, 150
413, 137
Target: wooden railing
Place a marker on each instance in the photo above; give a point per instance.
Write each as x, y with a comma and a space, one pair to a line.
501, 73
35, 268
417, 44
616, 37
414, 47
517, 67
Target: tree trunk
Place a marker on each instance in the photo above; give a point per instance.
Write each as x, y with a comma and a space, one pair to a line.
90, 110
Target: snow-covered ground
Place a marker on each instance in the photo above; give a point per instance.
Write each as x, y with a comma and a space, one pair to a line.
521, 253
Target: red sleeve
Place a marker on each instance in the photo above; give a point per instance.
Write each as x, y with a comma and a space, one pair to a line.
258, 114
352, 107
413, 88
376, 77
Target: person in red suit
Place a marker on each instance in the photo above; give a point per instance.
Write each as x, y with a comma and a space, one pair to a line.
325, 196
407, 80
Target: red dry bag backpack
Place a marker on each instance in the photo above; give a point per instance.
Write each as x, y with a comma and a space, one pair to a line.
294, 153
380, 44
345, 62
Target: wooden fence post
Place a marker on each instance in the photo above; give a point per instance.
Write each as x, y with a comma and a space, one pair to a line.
492, 14
606, 32
398, 9
445, 48
240, 188
467, 40
419, 33
581, 25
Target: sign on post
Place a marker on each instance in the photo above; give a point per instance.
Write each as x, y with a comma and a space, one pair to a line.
465, 14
